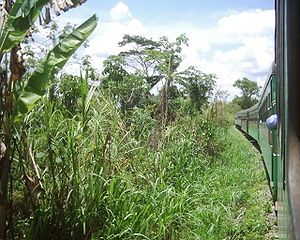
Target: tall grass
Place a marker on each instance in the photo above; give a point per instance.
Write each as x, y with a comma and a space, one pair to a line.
101, 179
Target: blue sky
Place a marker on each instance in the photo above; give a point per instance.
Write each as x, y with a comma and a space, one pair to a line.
148, 9
168, 10
231, 38
191, 10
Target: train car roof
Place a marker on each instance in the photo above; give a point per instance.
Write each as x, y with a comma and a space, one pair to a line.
249, 110
253, 108
271, 72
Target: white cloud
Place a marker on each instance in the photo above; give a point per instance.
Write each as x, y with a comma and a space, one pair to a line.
247, 23
106, 36
120, 12
253, 33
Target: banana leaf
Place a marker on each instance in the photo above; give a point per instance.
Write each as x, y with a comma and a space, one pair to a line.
65, 5
56, 59
22, 16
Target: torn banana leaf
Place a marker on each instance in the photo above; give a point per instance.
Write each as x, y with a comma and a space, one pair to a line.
56, 58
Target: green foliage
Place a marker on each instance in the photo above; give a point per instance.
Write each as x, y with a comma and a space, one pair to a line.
169, 56
128, 90
89, 167
159, 61
22, 16
69, 89
142, 57
130, 77
102, 180
234, 200
75, 93
17, 90
250, 91
153, 60
139, 41
128, 93
141, 124
198, 86
56, 58
133, 93
249, 88
114, 70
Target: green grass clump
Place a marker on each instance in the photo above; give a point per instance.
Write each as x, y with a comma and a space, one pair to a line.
233, 204
102, 179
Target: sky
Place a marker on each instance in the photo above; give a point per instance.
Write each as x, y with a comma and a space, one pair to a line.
230, 38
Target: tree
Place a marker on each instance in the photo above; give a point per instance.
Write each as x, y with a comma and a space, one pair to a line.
169, 60
69, 90
153, 61
158, 61
198, 86
114, 70
128, 90
142, 57
250, 91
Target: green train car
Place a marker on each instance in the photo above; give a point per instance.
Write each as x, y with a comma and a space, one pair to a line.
252, 122
280, 145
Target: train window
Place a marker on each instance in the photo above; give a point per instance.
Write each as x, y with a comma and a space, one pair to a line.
264, 110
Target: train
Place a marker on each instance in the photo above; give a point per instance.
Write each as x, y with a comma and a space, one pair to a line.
280, 99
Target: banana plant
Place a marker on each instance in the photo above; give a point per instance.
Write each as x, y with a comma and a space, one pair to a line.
56, 58
19, 20
64, 5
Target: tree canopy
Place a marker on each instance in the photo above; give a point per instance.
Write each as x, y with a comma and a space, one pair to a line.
250, 91
144, 62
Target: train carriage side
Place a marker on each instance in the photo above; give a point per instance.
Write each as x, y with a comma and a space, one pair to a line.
243, 119
267, 139
238, 121
253, 122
